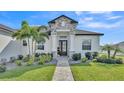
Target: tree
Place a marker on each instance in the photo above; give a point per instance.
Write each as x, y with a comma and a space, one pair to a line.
116, 50
17, 35
108, 48
35, 34
38, 36
23, 33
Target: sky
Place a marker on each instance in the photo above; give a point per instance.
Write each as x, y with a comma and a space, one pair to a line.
110, 23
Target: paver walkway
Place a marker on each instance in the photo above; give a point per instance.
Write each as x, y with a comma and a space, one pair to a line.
63, 71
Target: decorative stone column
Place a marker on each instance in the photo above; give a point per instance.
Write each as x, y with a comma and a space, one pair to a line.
54, 44
71, 50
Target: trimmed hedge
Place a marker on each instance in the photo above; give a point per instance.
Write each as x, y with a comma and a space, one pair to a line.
91, 55
88, 55
76, 56
110, 60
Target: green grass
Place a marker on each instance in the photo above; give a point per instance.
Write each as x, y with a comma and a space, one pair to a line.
39, 72
98, 72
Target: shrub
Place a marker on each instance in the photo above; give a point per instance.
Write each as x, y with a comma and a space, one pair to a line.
76, 56
20, 57
88, 55
36, 59
18, 62
95, 54
37, 54
30, 61
26, 59
2, 68
83, 60
12, 59
42, 54
48, 58
42, 59
119, 61
110, 60
51, 56
94, 60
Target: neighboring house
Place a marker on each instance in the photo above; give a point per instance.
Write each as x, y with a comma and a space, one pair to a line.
64, 40
121, 45
9, 47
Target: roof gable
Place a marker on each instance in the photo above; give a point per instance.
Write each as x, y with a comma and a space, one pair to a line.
72, 20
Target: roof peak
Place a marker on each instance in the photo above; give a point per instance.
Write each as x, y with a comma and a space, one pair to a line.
52, 21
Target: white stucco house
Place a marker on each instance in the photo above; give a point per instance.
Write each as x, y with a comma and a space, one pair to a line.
64, 40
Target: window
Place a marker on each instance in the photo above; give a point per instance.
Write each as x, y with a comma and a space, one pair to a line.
24, 43
40, 46
63, 24
86, 45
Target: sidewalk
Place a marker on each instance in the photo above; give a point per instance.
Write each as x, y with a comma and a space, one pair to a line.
63, 71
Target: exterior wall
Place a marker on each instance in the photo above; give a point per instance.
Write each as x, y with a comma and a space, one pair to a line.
13, 49
10, 47
95, 47
47, 46
4, 40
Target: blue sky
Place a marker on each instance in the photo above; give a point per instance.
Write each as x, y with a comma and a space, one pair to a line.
111, 23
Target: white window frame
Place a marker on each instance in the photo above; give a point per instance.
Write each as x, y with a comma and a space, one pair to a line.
87, 46
40, 44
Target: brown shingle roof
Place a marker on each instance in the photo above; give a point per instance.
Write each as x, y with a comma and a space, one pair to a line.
84, 32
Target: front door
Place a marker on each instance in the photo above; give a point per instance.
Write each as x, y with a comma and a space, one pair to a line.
62, 49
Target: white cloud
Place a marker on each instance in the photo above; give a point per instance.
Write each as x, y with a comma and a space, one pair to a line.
78, 12
88, 19
103, 25
84, 20
100, 12
113, 17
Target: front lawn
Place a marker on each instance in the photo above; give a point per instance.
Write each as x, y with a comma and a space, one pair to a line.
34, 72
98, 71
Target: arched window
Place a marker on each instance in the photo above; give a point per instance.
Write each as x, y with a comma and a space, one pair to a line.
86, 45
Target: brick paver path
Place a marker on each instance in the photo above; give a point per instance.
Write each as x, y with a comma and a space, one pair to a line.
63, 71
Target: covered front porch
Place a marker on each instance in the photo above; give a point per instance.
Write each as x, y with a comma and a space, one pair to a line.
62, 43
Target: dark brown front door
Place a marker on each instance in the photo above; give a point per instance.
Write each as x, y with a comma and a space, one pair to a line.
62, 47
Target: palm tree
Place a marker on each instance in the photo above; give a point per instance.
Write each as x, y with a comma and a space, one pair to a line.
17, 34
108, 48
116, 50
26, 33
23, 33
34, 34
38, 36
